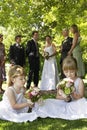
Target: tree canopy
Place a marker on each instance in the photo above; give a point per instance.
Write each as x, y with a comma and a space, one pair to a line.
47, 16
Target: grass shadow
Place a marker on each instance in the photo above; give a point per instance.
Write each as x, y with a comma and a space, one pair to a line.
46, 124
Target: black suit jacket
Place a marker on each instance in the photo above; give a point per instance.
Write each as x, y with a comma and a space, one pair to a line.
66, 46
17, 54
32, 50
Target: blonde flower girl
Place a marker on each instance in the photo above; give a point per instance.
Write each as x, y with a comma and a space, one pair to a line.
59, 107
14, 106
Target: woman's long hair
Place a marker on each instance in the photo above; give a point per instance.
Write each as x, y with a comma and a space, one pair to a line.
75, 28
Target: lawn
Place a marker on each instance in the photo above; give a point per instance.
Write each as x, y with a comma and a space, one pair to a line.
47, 123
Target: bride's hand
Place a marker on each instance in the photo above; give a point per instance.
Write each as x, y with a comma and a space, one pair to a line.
47, 57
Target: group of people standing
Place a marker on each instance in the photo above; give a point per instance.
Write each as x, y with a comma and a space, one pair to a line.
14, 106
50, 75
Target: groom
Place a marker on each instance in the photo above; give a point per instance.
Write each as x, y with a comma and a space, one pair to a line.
32, 52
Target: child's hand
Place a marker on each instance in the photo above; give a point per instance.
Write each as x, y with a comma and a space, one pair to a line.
68, 99
30, 103
62, 94
40, 101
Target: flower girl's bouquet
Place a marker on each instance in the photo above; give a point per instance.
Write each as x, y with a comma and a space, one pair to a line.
66, 88
33, 94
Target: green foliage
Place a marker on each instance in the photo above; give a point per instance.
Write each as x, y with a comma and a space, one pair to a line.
47, 16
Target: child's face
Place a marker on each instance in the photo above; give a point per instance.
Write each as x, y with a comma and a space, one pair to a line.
19, 81
70, 73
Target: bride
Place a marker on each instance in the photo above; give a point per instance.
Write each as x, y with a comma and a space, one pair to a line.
60, 108
49, 77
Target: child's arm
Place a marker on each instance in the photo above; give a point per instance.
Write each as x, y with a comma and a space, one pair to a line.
11, 96
80, 93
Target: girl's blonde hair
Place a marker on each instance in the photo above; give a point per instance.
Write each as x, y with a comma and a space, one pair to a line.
69, 63
13, 72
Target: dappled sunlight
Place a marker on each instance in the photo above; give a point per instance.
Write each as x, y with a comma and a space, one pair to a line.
49, 17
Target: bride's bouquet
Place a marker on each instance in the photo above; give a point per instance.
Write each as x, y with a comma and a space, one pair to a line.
46, 55
66, 88
33, 94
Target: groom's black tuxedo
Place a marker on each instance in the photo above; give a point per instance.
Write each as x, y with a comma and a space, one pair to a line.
32, 52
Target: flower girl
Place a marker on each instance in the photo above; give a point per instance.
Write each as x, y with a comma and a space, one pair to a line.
59, 108
14, 106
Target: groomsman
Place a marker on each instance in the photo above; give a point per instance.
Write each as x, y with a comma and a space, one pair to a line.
65, 47
17, 52
32, 52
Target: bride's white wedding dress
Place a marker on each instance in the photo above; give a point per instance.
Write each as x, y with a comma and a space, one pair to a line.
49, 77
55, 108
10, 114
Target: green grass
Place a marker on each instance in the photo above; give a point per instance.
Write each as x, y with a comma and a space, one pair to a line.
45, 124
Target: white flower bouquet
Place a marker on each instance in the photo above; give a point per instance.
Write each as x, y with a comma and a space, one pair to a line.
66, 88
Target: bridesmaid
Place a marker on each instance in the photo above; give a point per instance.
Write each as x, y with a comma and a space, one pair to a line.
76, 50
